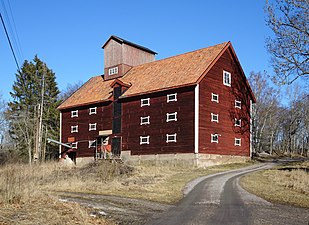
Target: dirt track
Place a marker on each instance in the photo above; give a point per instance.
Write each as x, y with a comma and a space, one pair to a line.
214, 199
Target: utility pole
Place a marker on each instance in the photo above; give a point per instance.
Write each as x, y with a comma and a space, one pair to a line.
39, 127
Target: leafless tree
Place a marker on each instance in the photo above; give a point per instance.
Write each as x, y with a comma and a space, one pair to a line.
289, 20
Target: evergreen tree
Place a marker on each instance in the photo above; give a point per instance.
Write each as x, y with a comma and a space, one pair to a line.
35, 87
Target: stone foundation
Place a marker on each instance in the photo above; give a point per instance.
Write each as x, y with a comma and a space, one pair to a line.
199, 160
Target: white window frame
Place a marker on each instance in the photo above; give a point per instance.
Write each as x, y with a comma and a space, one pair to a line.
90, 143
74, 145
212, 136
145, 120
171, 97
92, 110
74, 113
112, 71
213, 119
237, 140
213, 96
74, 129
168, 115
236, 122
145, 102
144, 140
92, 126
238, 104
227, 81
171, 138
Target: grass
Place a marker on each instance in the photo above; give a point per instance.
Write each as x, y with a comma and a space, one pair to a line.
26, 192
161, 183
288, 184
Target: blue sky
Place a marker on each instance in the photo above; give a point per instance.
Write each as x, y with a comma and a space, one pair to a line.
68, 35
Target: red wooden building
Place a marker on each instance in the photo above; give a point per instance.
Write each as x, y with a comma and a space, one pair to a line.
195, 105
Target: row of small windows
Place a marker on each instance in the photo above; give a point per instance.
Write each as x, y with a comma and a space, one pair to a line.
215, 98
90, 144
214, 138
145, 140
169, 98
215, 118
92, 110
92, 126
169, 117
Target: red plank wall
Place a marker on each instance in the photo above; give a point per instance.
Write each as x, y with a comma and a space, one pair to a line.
213, 83
103, 118
158, 127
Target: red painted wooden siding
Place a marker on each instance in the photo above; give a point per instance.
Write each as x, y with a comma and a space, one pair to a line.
213, 83
158, 127
103, 118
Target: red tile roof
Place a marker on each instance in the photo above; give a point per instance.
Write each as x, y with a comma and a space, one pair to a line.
181, 70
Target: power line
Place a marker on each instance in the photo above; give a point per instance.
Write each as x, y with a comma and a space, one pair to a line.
7, 35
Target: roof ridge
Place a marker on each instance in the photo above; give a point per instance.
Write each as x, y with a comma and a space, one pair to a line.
174, 56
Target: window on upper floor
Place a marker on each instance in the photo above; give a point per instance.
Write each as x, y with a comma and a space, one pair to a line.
74, 113
237, 141
237, 122
214, 138
214, 118
93, 110
92, 126
227, 79
74, 129
237, 104
113, 71
145, 102
92, 144
74, 145
171, 116
171, 138
144, 140
145, 120
215, 97
172, 97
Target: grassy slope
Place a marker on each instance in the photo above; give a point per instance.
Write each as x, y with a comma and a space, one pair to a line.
280, 186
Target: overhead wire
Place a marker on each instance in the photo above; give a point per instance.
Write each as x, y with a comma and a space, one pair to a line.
16, 32
7, 35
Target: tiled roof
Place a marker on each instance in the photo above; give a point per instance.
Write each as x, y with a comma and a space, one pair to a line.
171, 72
94, 90
181, 70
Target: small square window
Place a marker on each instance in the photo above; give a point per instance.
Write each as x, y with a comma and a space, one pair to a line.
93, 110
215, 97
145, 102
226, 78
144, 140
74, 129
237, 104
145, 120
74, 113
214, 118
92, 144
237, 141
92, 126
113, 71
237, 122
172, 97
171, 138
74, 145
171, 117
214, 138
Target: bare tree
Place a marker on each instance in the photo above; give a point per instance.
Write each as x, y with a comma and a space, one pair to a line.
264, 116
69, 90
289, 20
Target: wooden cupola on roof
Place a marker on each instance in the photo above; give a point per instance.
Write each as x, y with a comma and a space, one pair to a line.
121, 55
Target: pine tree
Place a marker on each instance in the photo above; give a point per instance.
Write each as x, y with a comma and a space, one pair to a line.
35, 84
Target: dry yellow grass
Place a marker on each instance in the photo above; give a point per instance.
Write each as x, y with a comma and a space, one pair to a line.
281, 186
